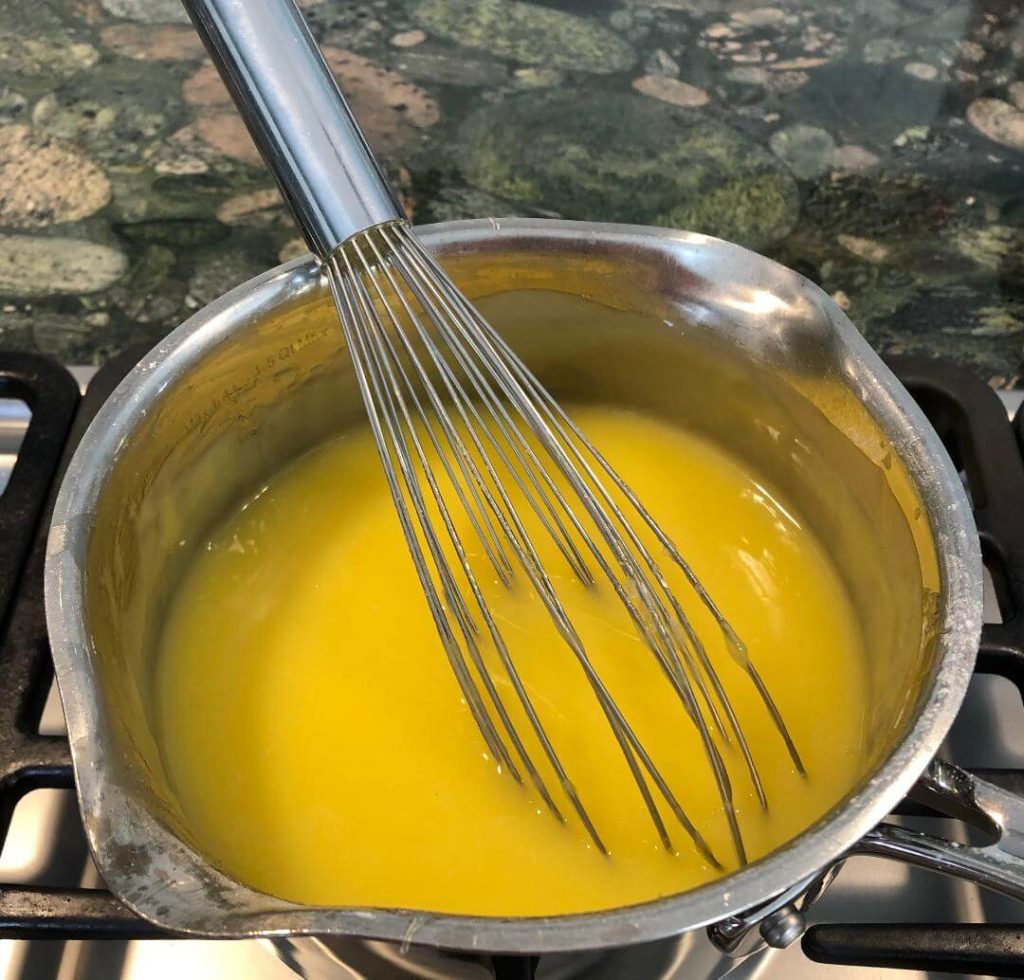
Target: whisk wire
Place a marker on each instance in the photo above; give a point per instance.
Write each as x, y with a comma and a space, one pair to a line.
488, 537
472, 421
506, 426
559, 422
342, 290
444, 295
417, 341
558, 417
625, 737
383, 342
514, 443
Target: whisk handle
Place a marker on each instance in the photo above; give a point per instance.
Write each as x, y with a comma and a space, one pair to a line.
297, 116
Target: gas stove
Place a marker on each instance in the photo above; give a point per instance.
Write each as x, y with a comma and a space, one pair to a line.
58, 921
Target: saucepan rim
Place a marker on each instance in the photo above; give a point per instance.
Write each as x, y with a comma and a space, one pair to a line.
208, 904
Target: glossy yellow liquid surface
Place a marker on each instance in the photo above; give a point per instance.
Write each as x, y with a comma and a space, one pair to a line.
322, 752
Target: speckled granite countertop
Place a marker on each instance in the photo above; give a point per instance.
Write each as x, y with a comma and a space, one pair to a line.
877, 146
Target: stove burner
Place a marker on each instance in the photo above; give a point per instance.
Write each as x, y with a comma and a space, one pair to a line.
969, 418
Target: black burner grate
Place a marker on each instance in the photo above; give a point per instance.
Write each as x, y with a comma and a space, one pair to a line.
29, 760
968, 416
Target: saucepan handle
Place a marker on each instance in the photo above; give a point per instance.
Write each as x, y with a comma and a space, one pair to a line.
989, 949
998, 865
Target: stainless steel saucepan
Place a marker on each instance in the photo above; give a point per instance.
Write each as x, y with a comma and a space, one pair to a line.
696, 330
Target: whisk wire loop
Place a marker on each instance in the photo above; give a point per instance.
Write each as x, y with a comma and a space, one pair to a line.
432, 371
381, 341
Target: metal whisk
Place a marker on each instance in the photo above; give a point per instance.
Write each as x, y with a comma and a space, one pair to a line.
434, 374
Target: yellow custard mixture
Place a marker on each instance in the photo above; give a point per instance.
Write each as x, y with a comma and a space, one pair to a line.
321, 751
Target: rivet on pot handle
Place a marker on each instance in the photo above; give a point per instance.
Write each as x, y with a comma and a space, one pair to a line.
779, 922
957, 793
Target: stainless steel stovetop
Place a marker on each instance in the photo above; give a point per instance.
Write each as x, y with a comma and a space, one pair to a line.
46, 846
